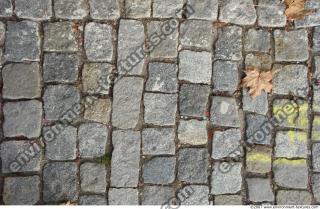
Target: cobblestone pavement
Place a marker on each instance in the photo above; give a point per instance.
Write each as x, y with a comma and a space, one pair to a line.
86, 119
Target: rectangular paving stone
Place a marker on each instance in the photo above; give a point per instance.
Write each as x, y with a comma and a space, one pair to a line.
258, 159
257, 105
225, 76
6, 8
156, 195
2, 33
316, 39
192, 132
260, 190
123, 196
316, 157
224, 112
22, 118
126, 102
34, 9
158, 141
99, 111
28, 78
228, 200
92, 200
93, 177
60, 182
291, 144
293, 197
125, 158
28, 48
260, 61
167, 8
105, 9
20, 156
205, 9
257, 41
71, 9
193, 195
224, 143
315, 181
138, 8
159, 170
259, 129
312, 19
21, 190
316, 100
240, 12
315, 133
271, 13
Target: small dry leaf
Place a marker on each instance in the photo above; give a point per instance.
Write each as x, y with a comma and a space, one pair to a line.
257, 81
296, 9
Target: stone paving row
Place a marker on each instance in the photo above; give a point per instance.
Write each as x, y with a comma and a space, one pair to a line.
178, 119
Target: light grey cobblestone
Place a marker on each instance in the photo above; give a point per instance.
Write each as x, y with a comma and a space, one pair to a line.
271, 13
123, 196
260, 190
6, 8
240, 12
34, 9
285, 197
156, 195
105, 9
71, 9
159, 170
93, 183
92, 200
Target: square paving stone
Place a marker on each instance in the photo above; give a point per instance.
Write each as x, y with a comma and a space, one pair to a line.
162, 77
259, 129
98, 42
105, 9
192, 132
158, 141
60, 182
61, 142
226, 182
229, 44
60, 67
225, 76
225, 143
123, 196
193, 165
260, 190
138, 8
316, 157
271, 13
22, 119
28, 46
290, 79
260, 61
59, 36
2, 33
125, 158
195, 67
20, 156
34, 9
291, 173
258, 159
21, 190
228, 200
316, 100
193, 195
257, 41
159, 170
71, 9
193, 100
95, 78
312, 19
93, 177
6, 8
204, 9
224, 112
92, 140
240, 12
316, 39
92, 200
59, 100
291, 144
286, 197
315, 182
160, 109
257, 105
28, 78
197, 33
316, 129
156, 195
127, 94
167, 8
291, 46
168, 46
99, 111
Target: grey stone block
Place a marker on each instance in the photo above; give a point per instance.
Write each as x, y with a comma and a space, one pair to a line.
6, 8
167, 8
291, 144
257, 105
257, 41
312, 19
225, 143
71, 9
159, 170
316, 157
225, 76
34, 9
192, 132
98, 111
224, 112
156, 195
315, 129
316, 39
205, 9
259, 129
271, 13
260, 61
105, 9
315, 181
228, 200
123, 196
93, 177
240, 12
258, 159
260, 190
158, 141
92, 200
2, 33
138, 8
291, 197
193, 195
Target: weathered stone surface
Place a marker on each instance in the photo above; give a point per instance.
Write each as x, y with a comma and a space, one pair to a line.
224, 143
315, 180
291, 144
257, 41
156, 195
21, 190
28, 46
34, 9
193, 195
316, 129
316, 100
60, 67
291, 46
22, 118
162, 77
125, 158
240, 12
59, 36
60, 99
193, 165
138, 8
226, 182
291, 173
258, 159
167, 8
224, 112
259, 129
260, 190
228, 200
260, 61
225, 76
195, 67
92, 140
316, 39
257, 105
204, 9
6, 8
21, 81
293, 197
312, 19
92, 200
193, 100
123, 196
60, 182
60, 145
160, 109
98, 42
71, 9
316, 157
105, 9
93, 177
126, 102
158, 141
192, 132
99, 111
229, 44
159, 170
2, 33
271, 13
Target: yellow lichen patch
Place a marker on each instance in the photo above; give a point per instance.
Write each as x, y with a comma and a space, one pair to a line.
316, 129
289, 162
297, 136
261, 157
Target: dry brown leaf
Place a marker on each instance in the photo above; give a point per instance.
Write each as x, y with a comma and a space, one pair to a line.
257, 81
296, 9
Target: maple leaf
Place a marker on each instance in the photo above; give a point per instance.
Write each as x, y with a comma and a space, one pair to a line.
257, 81
296, 9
